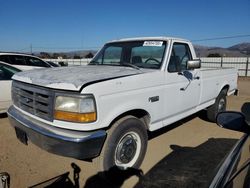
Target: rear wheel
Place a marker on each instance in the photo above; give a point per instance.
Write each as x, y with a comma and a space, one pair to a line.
125, 145
219, 106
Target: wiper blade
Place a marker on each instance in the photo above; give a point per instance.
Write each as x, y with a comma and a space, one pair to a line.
130, 65
113, 64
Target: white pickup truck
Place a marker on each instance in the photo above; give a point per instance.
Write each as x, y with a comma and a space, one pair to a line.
104, 110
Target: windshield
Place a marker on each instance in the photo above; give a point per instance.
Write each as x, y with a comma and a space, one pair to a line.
141, 54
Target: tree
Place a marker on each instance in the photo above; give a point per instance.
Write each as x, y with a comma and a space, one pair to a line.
55, 55
44, 55
64, 56
76, 57
89, 55
59, 55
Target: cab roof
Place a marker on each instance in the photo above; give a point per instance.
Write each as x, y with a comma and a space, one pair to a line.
150, 38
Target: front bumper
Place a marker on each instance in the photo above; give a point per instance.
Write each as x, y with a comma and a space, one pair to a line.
68, 143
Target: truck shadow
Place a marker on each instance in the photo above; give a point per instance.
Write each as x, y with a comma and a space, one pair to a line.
188, 166
3, 115
62, 181
183, 167
113, 178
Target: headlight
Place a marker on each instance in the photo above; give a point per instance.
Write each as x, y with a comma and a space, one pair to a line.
75, 109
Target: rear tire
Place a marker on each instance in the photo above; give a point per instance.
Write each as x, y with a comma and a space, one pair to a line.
219, 106
125, 145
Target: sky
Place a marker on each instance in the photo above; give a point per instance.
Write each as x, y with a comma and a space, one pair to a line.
68, 25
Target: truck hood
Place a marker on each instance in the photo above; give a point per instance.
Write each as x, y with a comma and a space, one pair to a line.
73, 78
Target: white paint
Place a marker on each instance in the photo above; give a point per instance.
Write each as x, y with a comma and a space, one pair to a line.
73, 78
117, 96
22, 78
5, 95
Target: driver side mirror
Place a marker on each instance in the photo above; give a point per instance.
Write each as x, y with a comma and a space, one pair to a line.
193, 64
234, 121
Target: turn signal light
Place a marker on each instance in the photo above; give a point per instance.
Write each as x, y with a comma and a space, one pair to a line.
75, 117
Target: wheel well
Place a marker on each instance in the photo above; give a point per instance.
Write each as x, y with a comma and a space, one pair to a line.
139, 113
225, 88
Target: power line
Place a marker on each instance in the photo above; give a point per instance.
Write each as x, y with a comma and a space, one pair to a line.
221, 38
98, 47
65, 48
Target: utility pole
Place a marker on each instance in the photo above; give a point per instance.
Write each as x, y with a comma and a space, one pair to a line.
247, 64
31, 49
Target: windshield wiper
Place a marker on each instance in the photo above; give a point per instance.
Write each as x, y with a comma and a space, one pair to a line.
130, 65
113, 64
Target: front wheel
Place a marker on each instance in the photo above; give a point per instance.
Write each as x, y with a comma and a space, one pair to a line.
125, 145
219, 106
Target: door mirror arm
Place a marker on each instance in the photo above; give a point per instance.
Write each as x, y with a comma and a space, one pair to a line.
181, 73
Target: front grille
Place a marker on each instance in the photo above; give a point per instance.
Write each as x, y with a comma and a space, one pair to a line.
36, 100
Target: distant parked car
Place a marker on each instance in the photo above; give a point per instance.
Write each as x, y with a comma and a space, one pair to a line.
235, 170
53, 64
6, 72
10, 64
23, 61
63, 64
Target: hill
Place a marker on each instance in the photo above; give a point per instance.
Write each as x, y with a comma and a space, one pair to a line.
239, 50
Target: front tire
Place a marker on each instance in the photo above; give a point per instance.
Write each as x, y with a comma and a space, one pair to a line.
125, 145
219, 106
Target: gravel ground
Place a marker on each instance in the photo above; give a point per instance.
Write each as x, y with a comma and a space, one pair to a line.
184, 154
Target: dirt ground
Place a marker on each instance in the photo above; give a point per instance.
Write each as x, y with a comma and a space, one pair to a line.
185, 154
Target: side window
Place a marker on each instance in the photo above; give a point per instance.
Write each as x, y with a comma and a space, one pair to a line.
6, 72
5, 59
32, 61
112, 55
17, 60
180, 55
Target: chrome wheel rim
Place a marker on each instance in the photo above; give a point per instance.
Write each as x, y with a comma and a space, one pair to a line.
222, 105
128, 150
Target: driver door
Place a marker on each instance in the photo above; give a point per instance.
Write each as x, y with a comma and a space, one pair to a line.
183, 85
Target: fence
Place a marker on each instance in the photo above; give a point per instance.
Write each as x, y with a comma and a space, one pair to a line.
241, 63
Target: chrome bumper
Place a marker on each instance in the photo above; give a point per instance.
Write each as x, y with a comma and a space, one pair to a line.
68, 143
